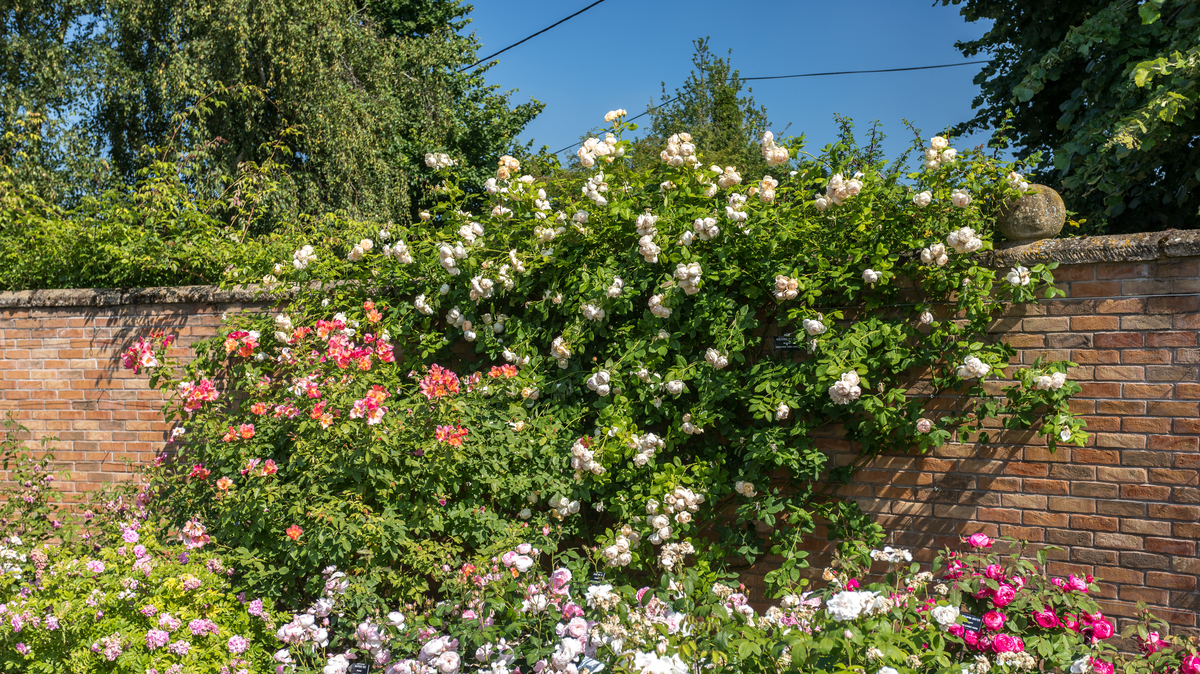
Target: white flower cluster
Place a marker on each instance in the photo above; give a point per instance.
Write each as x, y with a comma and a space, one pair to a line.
283, 328
766, 192
1051, 382
745, 488
653, 663
1020, 660
674, 387
960, 198
782, 412
304, 626
481, 288
645, 447
595, 188
303, 257
715, 359
1018, 182
614, 290
688, 276
728, 176
973, 368
939, 152
645, 224
470, 232
648, 249
657, 308
599, 382
583, 459
672, 554
871, 276
547, 234
438, 160
814, 326
964, 240
935, 254
399, 251
773, 154
560, 351
1018, 276
455, 317
891, 555
945, 615
786, 288
734, 206
923, 199
422, 305
618, 553
594, 147
592, 312
837, 190
846, 389
688, 427
507, 167
704, 228
614, 115
448, 257
562, 506
680, 151
362, 248
848, 605
680, 504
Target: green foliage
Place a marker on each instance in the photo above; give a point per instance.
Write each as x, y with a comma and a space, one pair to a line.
725, 124
1106, 90
27, 499
91, 608
370, 86
619, 396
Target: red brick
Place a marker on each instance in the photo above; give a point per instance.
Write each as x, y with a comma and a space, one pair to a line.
1171, 339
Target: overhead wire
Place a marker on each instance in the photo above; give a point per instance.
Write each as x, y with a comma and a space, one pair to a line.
523, 41
783, 77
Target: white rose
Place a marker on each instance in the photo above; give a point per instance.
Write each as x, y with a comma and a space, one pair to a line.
870, 276
923, 199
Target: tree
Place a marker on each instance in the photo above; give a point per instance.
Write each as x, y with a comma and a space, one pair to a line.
1106, 91
726, 126
357, 91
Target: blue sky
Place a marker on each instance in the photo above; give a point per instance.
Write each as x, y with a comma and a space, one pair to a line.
617, 54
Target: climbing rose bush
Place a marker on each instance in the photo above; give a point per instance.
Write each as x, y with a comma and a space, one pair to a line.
591, 353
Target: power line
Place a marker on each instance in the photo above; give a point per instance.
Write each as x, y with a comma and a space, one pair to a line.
784, 77
487, 58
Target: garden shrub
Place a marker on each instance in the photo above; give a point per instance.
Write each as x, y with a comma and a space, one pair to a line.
125, 598
587, 355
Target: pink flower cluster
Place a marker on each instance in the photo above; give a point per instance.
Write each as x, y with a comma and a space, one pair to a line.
371, 406
195, 394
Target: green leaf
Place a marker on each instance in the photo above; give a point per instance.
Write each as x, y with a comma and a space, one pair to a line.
1149, 13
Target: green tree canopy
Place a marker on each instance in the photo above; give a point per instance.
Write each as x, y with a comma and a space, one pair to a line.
357, 91
1106, 91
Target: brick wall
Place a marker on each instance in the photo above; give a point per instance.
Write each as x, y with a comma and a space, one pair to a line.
1125, 508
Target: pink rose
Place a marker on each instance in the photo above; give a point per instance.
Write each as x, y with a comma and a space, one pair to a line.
1153, 643
1190, 665
1059, 583
1101, 630
1004, 595
955, 569
956, 629
1102, 666
1017, 582
972, 638
1004, 643
1069, 622
994, 620
979, 541
994, 571
852, 585
1046, 618
1076, 583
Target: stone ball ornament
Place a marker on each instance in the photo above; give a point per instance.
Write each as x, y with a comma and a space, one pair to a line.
1040, 214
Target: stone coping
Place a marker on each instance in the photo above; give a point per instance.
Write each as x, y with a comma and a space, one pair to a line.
1172, 243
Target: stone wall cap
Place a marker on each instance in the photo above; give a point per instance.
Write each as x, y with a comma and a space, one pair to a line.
108, 297
1108, 248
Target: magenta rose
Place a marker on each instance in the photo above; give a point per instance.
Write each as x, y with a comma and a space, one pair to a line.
979, 541
1059, 583
1190, 665
1004, 595
972, 638
1046, 618
955, 569
994, 620
1153, 643
956, 629
1076, 583
1101, 666
1101, 630
1017, 582
994, 571
1004, 643
1069, 622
